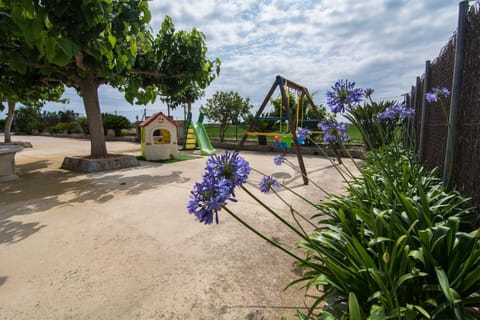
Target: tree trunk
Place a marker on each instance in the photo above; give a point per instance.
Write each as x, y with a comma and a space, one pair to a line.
9, 121
221, 132
89, 91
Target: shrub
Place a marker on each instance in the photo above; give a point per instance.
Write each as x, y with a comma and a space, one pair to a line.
378, 122
365, 117
64, 127
25, 120
83, 124
399, 242
115, 123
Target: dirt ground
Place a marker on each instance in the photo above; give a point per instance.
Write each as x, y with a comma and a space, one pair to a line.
121, 244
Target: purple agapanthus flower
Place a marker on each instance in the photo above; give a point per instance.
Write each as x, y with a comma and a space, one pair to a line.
396, 112
279, 159
302, 133
389, 113
208, 197
267, 183
406, 113
343, 94
222, 174
333, 131
368, 92
230, 166
437, 93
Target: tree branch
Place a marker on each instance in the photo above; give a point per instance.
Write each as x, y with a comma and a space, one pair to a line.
79, 61
157, 74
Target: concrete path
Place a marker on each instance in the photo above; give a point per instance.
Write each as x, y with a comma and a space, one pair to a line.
121, 244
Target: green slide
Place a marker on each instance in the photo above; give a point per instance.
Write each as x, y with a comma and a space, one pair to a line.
203, 141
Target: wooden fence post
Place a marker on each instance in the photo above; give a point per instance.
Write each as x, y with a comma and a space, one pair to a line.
413, 125
456, 92
423, 121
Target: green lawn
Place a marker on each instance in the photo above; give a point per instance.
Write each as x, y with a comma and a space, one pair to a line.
233, 133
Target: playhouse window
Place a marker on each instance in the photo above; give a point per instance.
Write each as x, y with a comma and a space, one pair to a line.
161, 136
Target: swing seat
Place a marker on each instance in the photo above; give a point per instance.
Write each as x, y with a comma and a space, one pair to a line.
283, 141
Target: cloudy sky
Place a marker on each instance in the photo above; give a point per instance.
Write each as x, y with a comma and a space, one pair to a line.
382, 44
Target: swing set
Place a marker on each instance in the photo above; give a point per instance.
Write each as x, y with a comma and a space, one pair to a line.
284, 139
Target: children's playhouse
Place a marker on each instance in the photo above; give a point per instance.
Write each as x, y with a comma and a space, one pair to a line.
159, 138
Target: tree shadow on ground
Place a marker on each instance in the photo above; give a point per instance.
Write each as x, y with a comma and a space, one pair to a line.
15, 231
3, 280
295, 180
39, 191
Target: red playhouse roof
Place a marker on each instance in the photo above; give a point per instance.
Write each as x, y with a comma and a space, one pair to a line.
154, 117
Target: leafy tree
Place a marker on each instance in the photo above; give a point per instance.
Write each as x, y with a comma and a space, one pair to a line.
50, 118
278, 108
261, 125
68, 127
83, 124
186, 97
115, 123
67, 116
226, 108
28, 89
307, 112
85, 44
26, 119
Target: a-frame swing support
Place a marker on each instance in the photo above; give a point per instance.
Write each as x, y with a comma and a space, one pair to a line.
282, 83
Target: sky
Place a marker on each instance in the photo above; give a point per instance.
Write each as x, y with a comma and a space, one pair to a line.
379, 44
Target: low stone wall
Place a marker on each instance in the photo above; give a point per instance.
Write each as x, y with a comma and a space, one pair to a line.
356, 151
129, 138
111, 162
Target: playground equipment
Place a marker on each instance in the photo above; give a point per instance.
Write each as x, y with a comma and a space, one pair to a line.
283, 142
196, 134
293, 119
159, 138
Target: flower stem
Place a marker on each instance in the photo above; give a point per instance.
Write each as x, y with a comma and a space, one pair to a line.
296, 193
294, 211
276, 215
275, 244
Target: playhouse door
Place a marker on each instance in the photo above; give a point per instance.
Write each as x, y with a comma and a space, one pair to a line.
161, 136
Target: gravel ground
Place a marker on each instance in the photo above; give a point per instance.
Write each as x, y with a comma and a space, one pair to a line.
121, 245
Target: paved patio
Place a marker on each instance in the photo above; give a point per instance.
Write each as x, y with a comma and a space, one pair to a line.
121, 244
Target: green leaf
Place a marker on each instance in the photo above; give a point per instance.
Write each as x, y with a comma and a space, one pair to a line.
417, 255
360, 253
422, 311
69, 48
353, 307
407, 277
409, 208
377, 313
112, 40
444, 284
61, 59
472, 280
378, 240
50, 45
